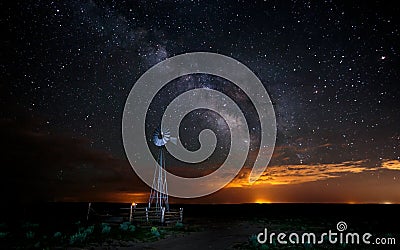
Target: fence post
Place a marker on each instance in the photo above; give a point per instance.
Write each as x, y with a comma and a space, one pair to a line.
181, 214
147, 215
88, 211
130, 214
162, 214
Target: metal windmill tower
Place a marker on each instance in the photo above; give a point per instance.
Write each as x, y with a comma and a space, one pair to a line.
159, 190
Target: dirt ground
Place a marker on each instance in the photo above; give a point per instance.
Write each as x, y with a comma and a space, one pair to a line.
219, 237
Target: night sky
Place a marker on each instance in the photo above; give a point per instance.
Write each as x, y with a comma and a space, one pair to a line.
331, 69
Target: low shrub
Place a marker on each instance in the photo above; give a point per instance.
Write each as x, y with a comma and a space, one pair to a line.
105, 228
77, 238
179, 225
253, 241
154, 231
57, 235
3, 235
127, 226
81, 235
30, 235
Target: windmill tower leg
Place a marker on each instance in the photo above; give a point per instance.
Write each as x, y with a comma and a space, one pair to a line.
163, 183
159, 191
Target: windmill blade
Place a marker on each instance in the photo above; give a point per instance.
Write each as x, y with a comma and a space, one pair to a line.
158, 142
174, 140
157, 139
162, 137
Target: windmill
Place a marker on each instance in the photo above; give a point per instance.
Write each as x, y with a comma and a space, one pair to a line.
159, 190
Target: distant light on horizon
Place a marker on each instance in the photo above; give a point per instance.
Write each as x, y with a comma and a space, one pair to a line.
262, 201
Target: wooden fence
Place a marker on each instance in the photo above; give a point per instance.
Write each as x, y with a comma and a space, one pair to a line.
146, 215
141, 215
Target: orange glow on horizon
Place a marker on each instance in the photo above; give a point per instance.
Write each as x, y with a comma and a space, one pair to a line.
262, 201
317, 183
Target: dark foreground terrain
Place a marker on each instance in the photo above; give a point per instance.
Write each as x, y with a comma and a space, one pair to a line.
65, 225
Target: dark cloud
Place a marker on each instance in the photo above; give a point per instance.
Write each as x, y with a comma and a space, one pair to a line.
41, 165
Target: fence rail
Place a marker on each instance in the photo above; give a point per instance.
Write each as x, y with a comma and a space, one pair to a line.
145, 214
